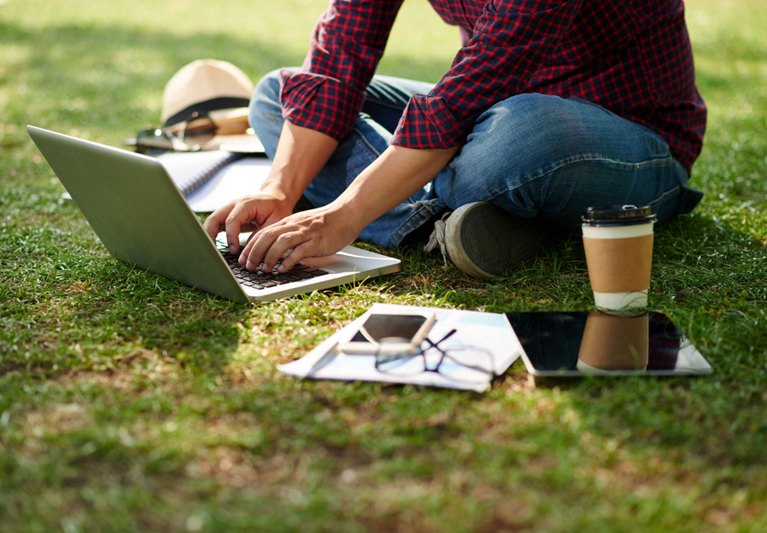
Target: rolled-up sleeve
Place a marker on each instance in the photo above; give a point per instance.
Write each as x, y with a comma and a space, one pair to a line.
508, 44
348, 41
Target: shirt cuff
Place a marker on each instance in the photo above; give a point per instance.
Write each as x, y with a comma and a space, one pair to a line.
320, 103
428, 123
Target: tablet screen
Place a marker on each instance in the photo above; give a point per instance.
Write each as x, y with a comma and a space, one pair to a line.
594, 343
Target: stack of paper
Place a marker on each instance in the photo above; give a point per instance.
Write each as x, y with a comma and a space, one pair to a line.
482, 333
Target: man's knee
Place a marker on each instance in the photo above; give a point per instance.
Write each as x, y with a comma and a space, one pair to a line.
516, 148
542, 126
530, 134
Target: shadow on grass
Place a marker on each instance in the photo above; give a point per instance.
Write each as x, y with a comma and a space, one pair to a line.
101, 74
67, 306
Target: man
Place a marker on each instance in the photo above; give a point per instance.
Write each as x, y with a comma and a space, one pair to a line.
549, 107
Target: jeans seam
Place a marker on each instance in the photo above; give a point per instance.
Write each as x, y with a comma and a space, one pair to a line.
562, 163
580, 158
660, 199
598, 157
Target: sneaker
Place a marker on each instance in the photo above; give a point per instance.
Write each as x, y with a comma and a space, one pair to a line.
484, 241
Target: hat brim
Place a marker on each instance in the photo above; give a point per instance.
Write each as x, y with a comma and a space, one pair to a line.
207, 107
227, 121
244, 143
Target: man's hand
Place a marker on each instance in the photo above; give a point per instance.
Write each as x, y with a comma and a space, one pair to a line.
323, 231
301, 153
314, 233
246, 214
279, 237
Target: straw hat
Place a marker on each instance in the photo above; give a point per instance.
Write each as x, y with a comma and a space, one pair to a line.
206, 86
218, 91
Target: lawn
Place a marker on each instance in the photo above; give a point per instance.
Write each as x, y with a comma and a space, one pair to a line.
129, 402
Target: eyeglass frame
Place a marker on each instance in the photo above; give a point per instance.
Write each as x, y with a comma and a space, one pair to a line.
444, 354
177, 140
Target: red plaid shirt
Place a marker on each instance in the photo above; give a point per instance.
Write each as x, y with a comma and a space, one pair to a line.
630, 56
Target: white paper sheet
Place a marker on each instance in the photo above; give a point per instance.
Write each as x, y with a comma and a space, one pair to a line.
241, 178
485, 331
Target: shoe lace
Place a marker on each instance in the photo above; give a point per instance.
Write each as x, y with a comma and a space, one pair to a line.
437, 238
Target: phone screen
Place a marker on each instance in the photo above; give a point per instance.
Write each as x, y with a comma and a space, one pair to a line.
389, 328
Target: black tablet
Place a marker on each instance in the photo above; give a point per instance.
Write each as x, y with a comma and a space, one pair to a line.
594, 343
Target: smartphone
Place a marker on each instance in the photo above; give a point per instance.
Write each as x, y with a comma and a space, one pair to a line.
390, 333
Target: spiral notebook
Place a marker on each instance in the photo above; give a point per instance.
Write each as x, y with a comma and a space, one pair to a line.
210, 179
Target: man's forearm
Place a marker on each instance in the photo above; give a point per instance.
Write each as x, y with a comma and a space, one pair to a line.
393, 177
301, 153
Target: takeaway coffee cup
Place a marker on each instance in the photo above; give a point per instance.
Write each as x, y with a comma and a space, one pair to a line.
614, 344
618, 242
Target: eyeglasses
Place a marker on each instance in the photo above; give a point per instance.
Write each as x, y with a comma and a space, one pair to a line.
459, 363
190, 136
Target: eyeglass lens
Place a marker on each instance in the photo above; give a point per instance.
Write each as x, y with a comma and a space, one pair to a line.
192, 135
461, 363
154, 138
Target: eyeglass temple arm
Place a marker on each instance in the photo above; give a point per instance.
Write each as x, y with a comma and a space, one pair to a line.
443, 339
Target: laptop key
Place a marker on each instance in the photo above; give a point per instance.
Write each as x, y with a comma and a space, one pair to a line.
259, 279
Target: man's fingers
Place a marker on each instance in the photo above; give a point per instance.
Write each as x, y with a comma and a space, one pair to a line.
232, 227
293, 256
215, 222
258, 247
281, 252
239, 216
246, 249
269, 247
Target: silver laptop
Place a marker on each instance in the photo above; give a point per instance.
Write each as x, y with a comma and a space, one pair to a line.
143, 220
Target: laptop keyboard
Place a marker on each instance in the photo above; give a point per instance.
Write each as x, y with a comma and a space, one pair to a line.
264, 280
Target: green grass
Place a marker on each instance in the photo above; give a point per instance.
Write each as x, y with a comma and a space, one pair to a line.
128, 402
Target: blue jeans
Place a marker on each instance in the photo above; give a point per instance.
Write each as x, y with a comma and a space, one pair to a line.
532, 155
